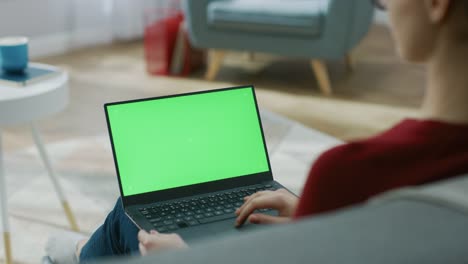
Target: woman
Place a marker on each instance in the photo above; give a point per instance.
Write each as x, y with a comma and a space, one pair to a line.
433, 32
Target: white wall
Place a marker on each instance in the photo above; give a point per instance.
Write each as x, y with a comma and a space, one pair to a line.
34, 17
56, 26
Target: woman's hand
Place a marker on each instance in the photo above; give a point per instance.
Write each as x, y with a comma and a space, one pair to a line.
281, 200
154, 241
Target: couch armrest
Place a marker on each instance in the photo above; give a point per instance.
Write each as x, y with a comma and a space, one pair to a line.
397, 232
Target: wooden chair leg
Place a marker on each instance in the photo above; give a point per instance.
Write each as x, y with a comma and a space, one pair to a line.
349, 61
321, 73
215, 59
251, 56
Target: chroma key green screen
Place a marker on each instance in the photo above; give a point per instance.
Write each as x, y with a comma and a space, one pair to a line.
183, 140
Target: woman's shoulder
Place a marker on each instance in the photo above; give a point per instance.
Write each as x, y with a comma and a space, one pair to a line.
409, 139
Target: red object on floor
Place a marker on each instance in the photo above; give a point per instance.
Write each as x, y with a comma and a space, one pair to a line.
159, 41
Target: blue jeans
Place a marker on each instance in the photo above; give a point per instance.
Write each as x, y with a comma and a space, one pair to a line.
117, 236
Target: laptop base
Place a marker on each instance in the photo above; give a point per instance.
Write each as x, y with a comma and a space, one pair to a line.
224, 226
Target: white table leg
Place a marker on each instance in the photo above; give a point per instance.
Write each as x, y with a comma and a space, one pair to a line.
53, 177
4, 209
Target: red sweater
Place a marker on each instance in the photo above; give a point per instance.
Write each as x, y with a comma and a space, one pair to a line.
411, 153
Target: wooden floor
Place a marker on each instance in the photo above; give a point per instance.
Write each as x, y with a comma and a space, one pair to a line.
380, 92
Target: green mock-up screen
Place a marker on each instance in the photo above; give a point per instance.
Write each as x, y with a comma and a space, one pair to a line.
184, 140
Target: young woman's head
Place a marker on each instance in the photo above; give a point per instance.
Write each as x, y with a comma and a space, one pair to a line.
422, 28
435, 32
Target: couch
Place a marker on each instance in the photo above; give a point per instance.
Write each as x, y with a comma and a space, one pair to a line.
426, 224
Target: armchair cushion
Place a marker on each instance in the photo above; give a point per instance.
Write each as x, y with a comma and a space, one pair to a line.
297, 17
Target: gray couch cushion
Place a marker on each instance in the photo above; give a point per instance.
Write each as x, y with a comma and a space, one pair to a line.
394, 232
451, 193
298, 17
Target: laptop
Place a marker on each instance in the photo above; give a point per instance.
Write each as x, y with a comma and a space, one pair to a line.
185, 162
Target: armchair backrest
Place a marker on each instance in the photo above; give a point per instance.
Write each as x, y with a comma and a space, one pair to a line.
346, 22
195, 14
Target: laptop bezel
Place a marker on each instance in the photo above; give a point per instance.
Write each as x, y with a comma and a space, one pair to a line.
195, 189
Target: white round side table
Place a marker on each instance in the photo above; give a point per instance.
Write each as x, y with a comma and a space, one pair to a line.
26, 105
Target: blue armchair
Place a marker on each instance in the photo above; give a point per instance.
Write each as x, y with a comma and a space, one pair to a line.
318, 30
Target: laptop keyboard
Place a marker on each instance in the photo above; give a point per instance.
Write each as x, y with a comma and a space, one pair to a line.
168, 217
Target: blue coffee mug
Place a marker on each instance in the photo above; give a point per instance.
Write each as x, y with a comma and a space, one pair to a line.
14, 54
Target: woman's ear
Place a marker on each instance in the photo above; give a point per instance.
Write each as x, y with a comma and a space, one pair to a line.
437, 10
